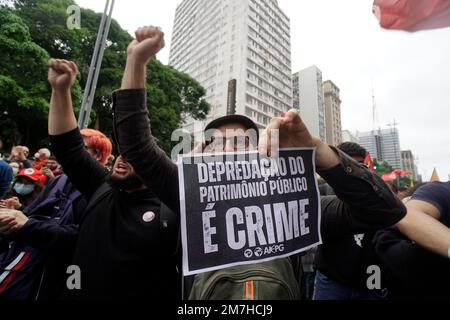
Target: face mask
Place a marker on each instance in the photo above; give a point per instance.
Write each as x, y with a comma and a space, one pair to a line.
23, 189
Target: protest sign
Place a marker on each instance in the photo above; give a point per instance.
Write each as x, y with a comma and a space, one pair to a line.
243, 208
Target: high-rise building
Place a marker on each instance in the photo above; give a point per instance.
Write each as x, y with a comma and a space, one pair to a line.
333, 125
408, 164
348, 136
308, 99
383, 145
239, 51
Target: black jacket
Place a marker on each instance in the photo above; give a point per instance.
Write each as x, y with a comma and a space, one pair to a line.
121, 250
50, 236
411, 271
363, 202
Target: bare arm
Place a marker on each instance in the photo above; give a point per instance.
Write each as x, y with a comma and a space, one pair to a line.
61, 118
421, 226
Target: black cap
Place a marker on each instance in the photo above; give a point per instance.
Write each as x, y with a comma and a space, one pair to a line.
234, 118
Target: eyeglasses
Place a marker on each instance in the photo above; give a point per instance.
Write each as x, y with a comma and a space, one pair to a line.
237, 143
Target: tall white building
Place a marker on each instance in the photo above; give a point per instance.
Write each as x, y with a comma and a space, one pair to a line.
383, 145
239, 51
333, 122
309, 100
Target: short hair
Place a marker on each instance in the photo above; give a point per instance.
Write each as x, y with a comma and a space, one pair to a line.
353, 149
46, 152
98, 141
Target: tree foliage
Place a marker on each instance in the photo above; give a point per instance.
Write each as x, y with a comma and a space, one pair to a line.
33, 31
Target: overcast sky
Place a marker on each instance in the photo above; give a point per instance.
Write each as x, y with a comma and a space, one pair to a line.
409, 72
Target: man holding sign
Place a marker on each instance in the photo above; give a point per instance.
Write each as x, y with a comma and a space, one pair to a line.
239, 207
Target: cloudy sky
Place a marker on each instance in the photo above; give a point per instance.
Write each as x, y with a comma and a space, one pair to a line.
408, 72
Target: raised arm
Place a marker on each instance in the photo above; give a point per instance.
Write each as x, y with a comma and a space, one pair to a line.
61, 76
65, 138
363, 202
428, 218
132, 125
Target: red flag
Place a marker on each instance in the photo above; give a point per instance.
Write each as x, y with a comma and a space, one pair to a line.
401, 173
389, 177
369, 162
412, 15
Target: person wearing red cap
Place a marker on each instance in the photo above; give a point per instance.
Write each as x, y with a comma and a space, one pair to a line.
28, 186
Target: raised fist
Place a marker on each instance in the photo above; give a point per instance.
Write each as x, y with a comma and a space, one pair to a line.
291, 130
149, 41
61, 74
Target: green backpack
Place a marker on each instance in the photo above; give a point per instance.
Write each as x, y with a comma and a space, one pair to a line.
273, 280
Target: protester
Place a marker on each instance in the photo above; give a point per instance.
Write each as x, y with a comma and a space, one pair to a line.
343, 263
354, 184
52, 167
427, 222
48, 231
418, 267
20, 155
28, 186
41, 158
6, 176
122, 248
15, 166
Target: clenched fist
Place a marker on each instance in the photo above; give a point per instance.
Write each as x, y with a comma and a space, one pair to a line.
61, 74
149, 41
288, 131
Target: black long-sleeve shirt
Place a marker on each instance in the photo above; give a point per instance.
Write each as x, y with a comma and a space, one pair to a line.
411, 272
363, 202
120, 251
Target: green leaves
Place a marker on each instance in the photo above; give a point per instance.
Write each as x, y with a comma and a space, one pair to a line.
34, 31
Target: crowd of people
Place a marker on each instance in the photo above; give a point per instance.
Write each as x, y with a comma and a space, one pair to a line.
118, 218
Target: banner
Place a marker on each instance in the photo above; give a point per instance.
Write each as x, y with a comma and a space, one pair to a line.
241, 208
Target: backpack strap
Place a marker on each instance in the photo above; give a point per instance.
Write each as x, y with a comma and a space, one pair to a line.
70, 191
51, 190
98, 195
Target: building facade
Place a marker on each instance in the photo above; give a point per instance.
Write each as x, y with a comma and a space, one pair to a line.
333, 123
239, 51
348, 136
383, 145
408, 164
309, 100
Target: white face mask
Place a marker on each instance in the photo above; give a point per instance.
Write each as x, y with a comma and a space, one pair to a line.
24, 189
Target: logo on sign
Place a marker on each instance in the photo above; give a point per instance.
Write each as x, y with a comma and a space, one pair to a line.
258, 252
248, 253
